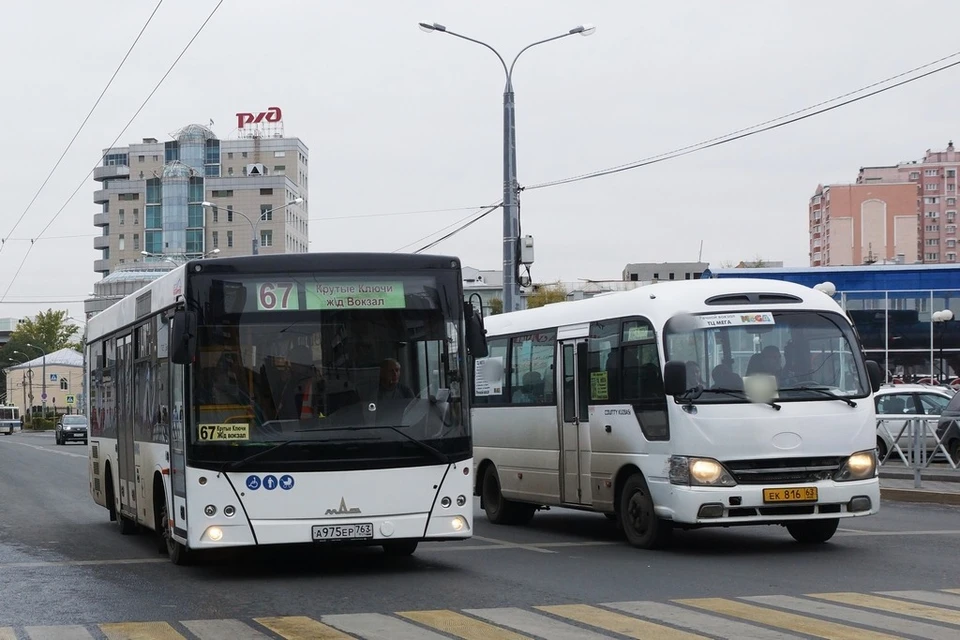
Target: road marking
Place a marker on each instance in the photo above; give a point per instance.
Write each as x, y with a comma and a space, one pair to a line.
513, 545
937, 532
535, 624
781, 619
73, 632
301, 628
79, 563
618, 623
140, 631
714, 625
857, 616
542, 547
892, 606
461, 626
46, 449
376, 626
222, 630
930, 597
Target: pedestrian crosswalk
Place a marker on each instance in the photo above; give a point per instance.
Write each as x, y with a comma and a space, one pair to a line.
881, 615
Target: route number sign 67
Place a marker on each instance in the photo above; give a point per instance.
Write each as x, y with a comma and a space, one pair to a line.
278, 296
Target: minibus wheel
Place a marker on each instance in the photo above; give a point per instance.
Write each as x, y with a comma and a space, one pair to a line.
499, 510
813, 531
637, 516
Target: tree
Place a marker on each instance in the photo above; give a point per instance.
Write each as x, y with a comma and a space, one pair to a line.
496, 306
544, 294
49, 331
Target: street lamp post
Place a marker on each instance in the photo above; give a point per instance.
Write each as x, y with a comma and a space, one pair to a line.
511, 195
43, 388
27, 375
254, 228
941, 318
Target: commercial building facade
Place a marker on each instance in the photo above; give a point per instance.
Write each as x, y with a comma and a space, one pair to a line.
152, 197
63, 384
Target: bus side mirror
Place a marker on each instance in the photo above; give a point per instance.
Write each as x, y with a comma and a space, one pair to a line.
675, 378
183, 337
875, 374
476, 333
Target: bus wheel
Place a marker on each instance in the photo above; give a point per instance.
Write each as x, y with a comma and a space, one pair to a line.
109, 499
400, 548
499, 510
813, 531
177, 552
881, 449
639, 520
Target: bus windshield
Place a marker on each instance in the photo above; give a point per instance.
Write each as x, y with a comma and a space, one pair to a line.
352, 371
9, 413
799, 355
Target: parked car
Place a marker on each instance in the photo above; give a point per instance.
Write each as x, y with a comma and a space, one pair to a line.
911, 401
72, 427
948, 428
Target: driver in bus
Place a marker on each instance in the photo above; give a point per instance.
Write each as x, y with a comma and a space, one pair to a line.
390, 386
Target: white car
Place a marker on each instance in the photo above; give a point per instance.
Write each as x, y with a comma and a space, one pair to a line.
911, 401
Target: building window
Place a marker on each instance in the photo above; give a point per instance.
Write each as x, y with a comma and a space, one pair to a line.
933, 242
951, 173
243, 154
228, 193
932, 256
930, 172
120, 242
128, 196
266, 192
266, 238
215, 237
229, 238
951, 187
154, 240
120, 214
931, 186
914, 175
154, 216
933, 214
279, 169
951, 243
136, 216
230, 214
266, 212
230, 154
933, 227
216, 214
929, 200
194, 240
279, 154
951, 201
136, 242
141, 158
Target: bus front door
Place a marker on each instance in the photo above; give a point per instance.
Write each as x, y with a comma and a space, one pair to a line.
125, 432
574, 422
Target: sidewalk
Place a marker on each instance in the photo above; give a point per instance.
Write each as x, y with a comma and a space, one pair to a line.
940, 484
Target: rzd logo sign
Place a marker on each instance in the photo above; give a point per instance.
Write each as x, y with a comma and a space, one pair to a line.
270, 115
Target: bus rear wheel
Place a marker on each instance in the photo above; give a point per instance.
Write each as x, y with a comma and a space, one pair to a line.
643, 528
813, 531
499, 510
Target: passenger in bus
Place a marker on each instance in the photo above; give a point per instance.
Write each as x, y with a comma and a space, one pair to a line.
767, 362
390, 386
724, 377
531, 389
694, 380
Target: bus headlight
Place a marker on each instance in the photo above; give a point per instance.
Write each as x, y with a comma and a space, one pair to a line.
860, 466
214, 534
699, 472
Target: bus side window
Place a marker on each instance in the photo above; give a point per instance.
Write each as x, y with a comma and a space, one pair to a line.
497, 349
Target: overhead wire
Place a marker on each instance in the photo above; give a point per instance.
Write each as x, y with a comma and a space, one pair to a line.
82, 125
479, 217
119, 135
762, 127
476, 211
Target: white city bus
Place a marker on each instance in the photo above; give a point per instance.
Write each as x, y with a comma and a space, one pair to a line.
9, 419
679, 405
253, 401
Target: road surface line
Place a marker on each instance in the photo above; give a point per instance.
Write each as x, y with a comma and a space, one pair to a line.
301, 628
930, 597
513, 545
936, 532
376, 626
222, 630
461, 626
857, 616
535, 624
79, 563
46, 450
140, 631
782, 620
890, 605
618, 623
706, 623
59, 632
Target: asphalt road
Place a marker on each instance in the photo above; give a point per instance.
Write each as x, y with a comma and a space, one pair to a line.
63, 563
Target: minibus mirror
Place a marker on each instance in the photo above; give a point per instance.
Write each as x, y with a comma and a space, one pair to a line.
183, 337
675, 378
875, 374
476, 333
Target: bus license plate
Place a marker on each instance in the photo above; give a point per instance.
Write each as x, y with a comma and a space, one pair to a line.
363, 531
803, 494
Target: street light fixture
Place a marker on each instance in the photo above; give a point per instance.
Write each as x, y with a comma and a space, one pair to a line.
254, 228
511, 195
43, 390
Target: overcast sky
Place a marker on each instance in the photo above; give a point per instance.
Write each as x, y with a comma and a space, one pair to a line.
398, 120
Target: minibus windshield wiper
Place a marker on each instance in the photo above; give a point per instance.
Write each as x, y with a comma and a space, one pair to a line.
740, 393
823, 391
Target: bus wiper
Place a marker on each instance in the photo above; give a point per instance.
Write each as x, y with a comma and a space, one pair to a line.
740, 393
439, 455
823, 391
236, 464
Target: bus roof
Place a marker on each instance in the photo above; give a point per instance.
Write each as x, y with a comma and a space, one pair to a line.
165, 291
663, 300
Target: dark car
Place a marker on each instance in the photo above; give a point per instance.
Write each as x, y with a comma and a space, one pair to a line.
72, 428
948, 428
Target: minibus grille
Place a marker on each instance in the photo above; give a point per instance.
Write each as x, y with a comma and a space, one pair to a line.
783, 470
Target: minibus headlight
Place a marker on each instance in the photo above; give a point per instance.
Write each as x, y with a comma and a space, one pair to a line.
699, 472
860, 466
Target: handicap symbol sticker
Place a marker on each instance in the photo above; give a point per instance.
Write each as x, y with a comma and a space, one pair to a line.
269, 483
253, 483
286, 483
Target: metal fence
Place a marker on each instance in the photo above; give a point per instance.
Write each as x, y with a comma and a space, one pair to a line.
914, 440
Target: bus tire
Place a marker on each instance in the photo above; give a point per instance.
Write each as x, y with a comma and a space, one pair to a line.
176, 551
813, 531
637, 516
400, 548
499, 510
109, 497
881, 449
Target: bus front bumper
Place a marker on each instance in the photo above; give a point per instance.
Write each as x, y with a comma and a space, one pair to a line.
759, 504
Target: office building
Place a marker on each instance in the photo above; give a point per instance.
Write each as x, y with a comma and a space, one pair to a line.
189, 196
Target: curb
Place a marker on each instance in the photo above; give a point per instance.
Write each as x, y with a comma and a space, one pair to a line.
919, 495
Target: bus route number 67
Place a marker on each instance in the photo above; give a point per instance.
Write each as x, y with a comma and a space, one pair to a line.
277, 296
